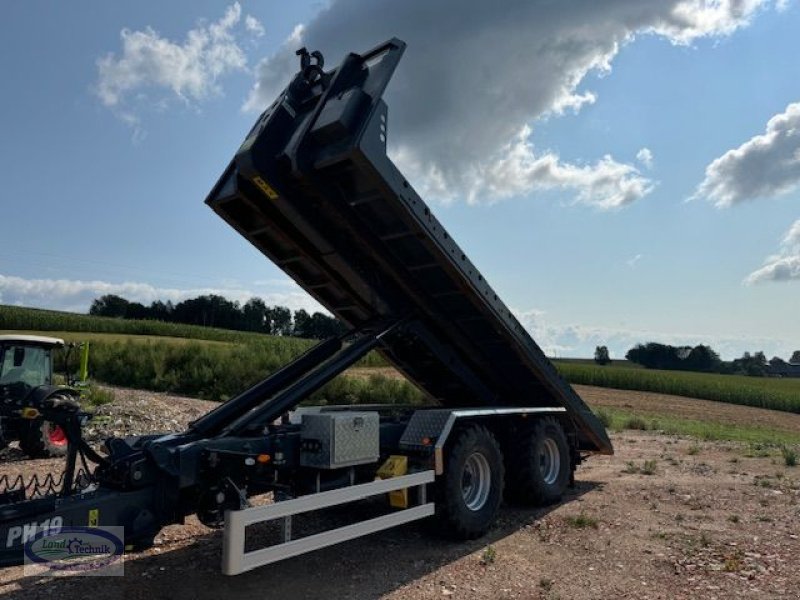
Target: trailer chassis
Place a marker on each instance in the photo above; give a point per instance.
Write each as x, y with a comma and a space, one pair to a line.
247, 446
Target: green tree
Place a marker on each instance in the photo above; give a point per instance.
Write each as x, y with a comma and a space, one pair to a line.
754, 365
254, 316
280, 320
601, 355
109, 306
302, 324
702, 358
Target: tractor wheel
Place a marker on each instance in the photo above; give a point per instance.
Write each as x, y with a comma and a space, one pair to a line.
42, 439
539, 465
471, 488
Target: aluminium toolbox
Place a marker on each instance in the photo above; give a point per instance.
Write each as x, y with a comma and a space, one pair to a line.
339, 439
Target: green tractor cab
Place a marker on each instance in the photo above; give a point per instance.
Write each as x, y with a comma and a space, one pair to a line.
28, 392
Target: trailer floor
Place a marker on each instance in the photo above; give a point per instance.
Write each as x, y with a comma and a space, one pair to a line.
713, 521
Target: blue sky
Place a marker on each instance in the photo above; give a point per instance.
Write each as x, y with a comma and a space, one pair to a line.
621, 172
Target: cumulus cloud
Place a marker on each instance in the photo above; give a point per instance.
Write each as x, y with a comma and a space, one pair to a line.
580, 341
76, 295
188, 70
766, 165
783, 266
518, 169
475, 77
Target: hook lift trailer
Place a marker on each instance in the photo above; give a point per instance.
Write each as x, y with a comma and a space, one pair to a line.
312, 188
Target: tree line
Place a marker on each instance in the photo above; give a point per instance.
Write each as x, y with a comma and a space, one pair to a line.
700, 358
217, 311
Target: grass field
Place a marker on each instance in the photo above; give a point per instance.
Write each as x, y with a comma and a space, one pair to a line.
617, 419
616, 363
215, 370
34, 319
764, 392
86, 336
202, 362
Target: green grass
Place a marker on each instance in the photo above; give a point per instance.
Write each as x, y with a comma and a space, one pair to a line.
489, 555
615, 363
74, 327
219, 371
375, 389
196, 361
649, 467
84, 336
706, 430
789, 456
34, 319
764, 392
581, 521
96, 396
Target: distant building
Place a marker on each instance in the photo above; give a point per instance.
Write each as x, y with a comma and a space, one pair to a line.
783, 369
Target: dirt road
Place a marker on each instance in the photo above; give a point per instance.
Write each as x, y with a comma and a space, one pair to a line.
665, 517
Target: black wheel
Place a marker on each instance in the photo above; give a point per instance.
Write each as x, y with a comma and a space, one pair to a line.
42, 439
539, 465
471, 488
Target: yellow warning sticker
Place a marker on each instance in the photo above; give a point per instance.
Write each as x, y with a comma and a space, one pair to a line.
266, 188
94, 517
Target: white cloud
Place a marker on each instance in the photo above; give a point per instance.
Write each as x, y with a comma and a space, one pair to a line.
784, 266
76, 295
692, 19
766, 165
189, 70
517, 170
253, 25
580, 341
633, 261
474, 77
645, 156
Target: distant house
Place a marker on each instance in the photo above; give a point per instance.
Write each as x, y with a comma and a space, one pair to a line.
783, 369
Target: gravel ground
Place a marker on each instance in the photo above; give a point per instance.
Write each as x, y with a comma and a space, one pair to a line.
666, 517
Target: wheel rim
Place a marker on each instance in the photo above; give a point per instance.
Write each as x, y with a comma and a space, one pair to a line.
549, 461
56, 435
476, 481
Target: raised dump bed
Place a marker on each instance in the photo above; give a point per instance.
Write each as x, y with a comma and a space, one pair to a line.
313, 189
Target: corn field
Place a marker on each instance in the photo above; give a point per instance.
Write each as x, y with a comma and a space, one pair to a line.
765, 392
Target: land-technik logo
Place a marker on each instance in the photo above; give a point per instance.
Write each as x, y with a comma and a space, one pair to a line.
76, 551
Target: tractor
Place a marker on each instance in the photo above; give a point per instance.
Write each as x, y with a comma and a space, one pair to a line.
28, 390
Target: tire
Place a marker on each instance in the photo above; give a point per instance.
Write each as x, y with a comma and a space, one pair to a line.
539, 465
43, 439
471, 488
